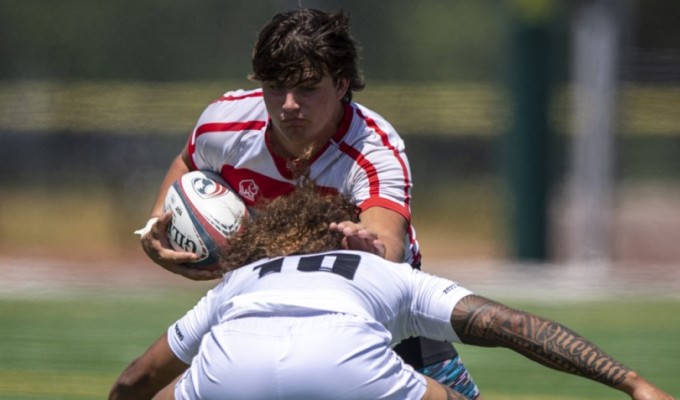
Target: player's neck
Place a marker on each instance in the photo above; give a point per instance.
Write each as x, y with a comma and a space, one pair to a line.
294, 150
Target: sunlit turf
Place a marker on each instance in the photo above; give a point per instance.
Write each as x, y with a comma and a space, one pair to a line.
74, 347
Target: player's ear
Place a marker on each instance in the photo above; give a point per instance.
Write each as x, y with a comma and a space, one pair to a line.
341, 86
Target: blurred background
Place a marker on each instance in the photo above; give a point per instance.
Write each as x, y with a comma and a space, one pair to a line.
543, 137
536, 129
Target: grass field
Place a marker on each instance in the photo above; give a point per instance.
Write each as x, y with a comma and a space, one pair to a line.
73, 347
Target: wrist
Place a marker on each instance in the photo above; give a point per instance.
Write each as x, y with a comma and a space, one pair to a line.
632, 382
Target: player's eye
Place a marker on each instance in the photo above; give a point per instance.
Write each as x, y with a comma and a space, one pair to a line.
276, 86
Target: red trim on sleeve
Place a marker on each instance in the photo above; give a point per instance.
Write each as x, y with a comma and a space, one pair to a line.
404, 212
388, 204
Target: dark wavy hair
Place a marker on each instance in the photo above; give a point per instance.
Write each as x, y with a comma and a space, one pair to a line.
303, 44
293, 224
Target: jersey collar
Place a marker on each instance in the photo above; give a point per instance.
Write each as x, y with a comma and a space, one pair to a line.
283, 165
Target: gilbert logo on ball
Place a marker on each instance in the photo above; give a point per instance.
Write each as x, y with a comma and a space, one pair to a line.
206, 212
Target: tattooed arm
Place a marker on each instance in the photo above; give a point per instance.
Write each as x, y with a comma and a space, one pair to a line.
483, 322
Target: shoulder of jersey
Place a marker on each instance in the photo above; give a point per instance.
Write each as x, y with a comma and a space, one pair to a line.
240, 94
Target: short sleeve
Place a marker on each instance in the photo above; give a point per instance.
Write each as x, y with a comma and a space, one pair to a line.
434, 299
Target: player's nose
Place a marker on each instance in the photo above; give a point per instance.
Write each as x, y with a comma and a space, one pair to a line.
290, 102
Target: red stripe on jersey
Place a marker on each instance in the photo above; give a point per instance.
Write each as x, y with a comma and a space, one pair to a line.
370, 122
230, 127
367, 166
253, 186
241, 97
221, 127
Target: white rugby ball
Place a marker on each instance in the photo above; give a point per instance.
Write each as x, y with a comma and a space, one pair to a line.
206, 212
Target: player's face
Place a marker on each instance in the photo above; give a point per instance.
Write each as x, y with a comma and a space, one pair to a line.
307, 113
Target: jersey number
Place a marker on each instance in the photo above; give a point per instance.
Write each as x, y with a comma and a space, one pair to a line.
341, 264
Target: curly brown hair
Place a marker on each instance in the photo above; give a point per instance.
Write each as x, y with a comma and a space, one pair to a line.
305, 44
293, 224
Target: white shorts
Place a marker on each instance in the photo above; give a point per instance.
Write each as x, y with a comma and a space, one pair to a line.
327, 356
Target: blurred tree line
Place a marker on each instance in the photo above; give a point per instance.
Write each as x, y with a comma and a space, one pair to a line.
158, 40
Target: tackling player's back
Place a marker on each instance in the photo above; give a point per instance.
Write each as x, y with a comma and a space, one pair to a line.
395, 296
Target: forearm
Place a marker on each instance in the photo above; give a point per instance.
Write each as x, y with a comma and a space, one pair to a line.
140, 381
126, 387
179, 167
149, 373
394, 248
438, 391
389, 227
484, 322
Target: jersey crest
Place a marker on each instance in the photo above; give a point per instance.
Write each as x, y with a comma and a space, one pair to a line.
248, 189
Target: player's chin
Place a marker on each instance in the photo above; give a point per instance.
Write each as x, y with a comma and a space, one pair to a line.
296, 132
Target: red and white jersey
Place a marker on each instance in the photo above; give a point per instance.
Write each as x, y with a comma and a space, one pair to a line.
364, 160
405, 302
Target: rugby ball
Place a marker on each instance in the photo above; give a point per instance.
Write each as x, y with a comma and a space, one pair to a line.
206, 212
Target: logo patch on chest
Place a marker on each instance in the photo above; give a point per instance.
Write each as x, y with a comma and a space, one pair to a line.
248, 189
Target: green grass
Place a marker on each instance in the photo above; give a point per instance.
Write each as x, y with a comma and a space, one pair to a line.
74, 347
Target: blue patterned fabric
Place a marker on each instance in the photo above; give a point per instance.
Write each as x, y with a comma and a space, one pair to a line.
453, 374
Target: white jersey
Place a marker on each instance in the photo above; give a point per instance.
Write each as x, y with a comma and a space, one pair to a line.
364, 160
405, 301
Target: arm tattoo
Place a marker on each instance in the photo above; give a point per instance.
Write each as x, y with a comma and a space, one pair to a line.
483, 322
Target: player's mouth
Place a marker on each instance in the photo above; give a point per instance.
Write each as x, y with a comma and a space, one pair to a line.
292, 122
